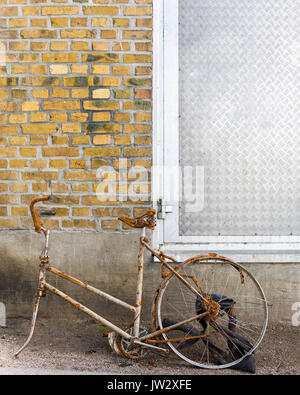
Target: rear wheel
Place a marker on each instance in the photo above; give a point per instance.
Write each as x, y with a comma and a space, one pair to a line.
238, 312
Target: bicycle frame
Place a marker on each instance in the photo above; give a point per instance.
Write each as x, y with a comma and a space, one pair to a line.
44, 286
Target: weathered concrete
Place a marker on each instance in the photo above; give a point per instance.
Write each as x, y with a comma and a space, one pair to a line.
109, 261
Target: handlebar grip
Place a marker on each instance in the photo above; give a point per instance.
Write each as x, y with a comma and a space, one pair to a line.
48, 212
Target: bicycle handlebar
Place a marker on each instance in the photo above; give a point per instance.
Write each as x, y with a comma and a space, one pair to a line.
36, 216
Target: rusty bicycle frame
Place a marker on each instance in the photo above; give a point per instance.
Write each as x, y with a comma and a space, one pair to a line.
148, 340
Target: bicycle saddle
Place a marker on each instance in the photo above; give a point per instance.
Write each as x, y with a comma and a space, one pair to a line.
144, 221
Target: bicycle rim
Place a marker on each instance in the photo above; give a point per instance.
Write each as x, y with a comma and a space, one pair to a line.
234, 333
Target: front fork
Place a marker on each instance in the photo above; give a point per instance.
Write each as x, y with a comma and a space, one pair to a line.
44, 262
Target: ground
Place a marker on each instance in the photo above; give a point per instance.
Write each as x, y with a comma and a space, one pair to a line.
74, 347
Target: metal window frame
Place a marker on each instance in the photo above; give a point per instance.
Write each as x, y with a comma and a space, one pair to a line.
166, 151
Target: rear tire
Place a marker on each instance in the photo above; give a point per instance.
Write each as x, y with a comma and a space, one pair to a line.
239, 326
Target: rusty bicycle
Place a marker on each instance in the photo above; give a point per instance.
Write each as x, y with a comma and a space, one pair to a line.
209, 310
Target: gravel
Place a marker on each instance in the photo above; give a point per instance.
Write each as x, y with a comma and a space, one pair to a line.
68, 347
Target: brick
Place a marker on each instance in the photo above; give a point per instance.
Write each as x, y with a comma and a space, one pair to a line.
100, 10
143, 117
19, 211
60, 93
101, 57
137, 151
38, 140
19, 187
101, 117
17, 22
58, 163
3, 210
122, 117
80, 175
78, 33
8, 175
101, 212
81, 211
58, 117
59, 22
110, 81
77, 164
79, 188
121, 22
138, 11
59, 45
38, 46
40, 175
101, 94
137, 81
59, 69
60, 140
110, 224
40, 93
79, 69
9, 199
17, 118
30, 106
100, 69
101, 105
60, 151
38, 22
8, 152
38, 164
100, 22
27, 34
102, 128
137, 105
122, 93
8, 11
102, 139
39, 187
3, 163
137, 35
60, 188
59, 10
59, 57
121, 46
39, 129
79, 117
18, 94
79, 223
28, 152
80, 140
18, 163
9, 223
38, 117
102, 152
137, 128
136, 58
71, 128
121, 70
122, 140
61, 105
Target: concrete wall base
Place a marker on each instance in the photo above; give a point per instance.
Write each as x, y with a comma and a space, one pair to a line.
109, 261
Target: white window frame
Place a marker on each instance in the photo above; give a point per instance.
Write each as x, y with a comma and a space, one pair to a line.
166, 151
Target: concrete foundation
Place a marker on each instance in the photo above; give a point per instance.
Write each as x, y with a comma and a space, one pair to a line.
109, 261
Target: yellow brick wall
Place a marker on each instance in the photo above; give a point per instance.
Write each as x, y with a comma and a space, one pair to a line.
75, 95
